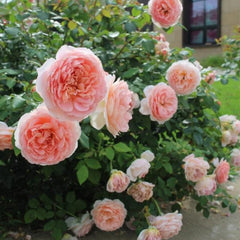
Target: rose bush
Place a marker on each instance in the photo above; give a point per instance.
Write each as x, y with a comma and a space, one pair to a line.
95, 63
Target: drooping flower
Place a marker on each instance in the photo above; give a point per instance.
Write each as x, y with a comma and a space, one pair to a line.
72, 84
183, 76
80, 227
206, 186
138, 169
151, 233
160, 102
5, 136
222, 171
115, 111
118, 181
45, 140
165, 13
148, 155
109, 215
195, 168
235, 157
141, 191
168, 225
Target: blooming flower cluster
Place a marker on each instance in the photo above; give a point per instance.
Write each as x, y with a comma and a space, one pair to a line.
162, 46
5, 136
230, 127
196, 168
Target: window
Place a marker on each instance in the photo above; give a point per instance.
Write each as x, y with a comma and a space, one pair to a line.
202, 19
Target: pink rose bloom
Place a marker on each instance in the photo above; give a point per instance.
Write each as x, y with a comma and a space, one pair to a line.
236, 127
210, 78
160, 103
118, 182
115, 111
148, 155
183, 77
151, 233
80, 227
138, 169
222, 171
72, 84
109, 215
235, 157
226, 138
160, 37
206, 186
195, 168
169, 224
43, 139
141, 191
165, 13
162, 48
5, 136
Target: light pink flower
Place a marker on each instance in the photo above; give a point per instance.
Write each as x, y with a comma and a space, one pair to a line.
206, 186
210, 78
226, 138
109, 215
116, 109
80, 227
235, 157
165, 13
195, 168
138, 169
72, 84
130, 225
162, 48
148, 155
118, 181
151, 233
160, 103
5, 136
222, 171
160, 37
236, 127
198, 65
141, 191
169, 224
43, 139
183, 77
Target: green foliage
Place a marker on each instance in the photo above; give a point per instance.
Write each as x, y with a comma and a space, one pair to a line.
213, 61
44, 196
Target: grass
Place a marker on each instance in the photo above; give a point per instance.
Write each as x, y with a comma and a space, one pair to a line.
229, 96
213, 61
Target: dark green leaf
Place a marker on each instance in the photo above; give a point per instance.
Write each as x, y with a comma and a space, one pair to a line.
71, 197
109, 152
121, 147
82, 174
49, 225
84, 140
93, 163
30, 216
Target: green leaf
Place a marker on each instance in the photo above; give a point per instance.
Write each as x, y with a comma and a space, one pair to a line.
94, 176
171, 182
16, 150
121, 147
130, 27
84, 140
113, 34
30, 216
232, 207
131, 72
93, 163
71, 197
12, 31
106, 13
72, 25
109, 152
18, 102
168, 167
57, 233
49, 225
148, 45
82, 174
33, 203
41, 213
49, 214
37, 97
206, 213
10, 83
2, 163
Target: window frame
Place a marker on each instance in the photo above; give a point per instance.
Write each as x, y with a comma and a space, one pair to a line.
186, 23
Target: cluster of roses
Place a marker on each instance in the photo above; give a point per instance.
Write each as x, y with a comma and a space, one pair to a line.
162, 46
196, 171
109, 215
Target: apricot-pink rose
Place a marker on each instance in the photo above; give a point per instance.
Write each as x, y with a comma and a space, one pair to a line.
138, 169
206, 186
195, 168
115, 111
151, 233
169, 224
141, 191
183, 76
43, 139
5, 136
235, 157
210, 77
160, 103
80, 227
165, 13
72, 84
118, 181
222, 171
109, 215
